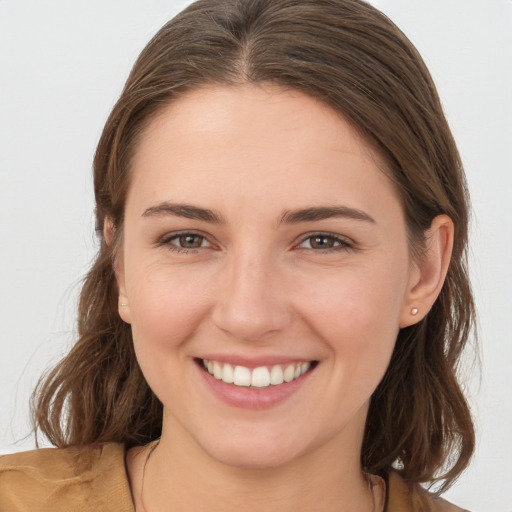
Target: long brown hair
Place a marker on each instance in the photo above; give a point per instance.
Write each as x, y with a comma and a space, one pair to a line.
352, 57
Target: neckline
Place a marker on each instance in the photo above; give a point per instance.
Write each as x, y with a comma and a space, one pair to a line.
377, 483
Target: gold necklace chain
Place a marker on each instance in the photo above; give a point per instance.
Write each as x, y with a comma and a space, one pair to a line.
152, 449
141, 498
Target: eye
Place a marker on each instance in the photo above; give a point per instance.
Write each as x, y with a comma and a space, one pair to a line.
189, 241
182, 242
325, 241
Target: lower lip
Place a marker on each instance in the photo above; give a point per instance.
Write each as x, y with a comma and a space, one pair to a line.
253, 398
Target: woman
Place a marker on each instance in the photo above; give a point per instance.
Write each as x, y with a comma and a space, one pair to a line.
280, 297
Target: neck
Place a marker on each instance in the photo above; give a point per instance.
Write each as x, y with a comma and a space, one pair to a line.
180, 476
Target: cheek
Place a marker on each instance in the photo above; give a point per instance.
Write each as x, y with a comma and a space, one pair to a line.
356, 313
165, 303
363, 297
166, 307
165, 317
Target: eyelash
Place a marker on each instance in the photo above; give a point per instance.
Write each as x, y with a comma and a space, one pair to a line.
166, 241
343, 243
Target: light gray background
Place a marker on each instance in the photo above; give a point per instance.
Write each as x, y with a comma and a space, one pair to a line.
62, 65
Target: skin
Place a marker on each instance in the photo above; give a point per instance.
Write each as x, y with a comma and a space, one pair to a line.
257, 286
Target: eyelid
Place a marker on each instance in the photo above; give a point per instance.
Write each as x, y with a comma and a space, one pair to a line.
345, 243
166, 240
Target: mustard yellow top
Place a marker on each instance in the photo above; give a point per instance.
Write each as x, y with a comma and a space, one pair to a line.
94, 479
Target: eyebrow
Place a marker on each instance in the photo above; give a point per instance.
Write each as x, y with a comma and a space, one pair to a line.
184, 210
324, 212
311, 214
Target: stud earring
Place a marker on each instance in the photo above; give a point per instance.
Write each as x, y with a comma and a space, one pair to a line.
414, 311
123, 304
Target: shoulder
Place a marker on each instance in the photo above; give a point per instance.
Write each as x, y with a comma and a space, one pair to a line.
75, 478
408, 497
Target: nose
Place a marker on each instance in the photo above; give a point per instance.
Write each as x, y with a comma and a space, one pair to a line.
251, 304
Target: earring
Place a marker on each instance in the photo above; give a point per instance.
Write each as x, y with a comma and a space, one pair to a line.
123, 304
414, 311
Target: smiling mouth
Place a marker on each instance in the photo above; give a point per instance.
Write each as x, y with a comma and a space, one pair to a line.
260, 377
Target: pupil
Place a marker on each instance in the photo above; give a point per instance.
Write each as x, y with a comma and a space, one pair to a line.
322, 241
190, 241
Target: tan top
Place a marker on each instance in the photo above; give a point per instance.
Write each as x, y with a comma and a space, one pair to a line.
94, 478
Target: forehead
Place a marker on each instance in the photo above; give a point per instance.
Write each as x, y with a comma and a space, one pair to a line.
254, 140
217, 111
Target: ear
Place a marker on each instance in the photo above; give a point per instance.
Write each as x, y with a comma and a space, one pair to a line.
428, 275
122, 304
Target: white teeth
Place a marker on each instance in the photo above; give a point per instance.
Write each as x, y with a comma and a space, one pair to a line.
289, 373
276, 375
261, 377
242, 376
304, 367
217, 370
227, 374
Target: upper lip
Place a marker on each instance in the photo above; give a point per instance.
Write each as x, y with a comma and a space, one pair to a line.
254, 362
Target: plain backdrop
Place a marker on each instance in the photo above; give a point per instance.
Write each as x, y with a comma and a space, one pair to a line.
62, 66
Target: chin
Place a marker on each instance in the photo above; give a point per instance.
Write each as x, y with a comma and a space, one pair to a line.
252, 459
263, 453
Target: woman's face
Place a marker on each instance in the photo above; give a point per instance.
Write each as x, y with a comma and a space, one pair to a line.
262, 237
